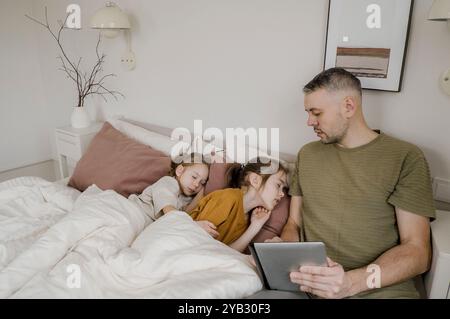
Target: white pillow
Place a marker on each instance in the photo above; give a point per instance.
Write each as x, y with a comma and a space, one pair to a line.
157, 141
165, 144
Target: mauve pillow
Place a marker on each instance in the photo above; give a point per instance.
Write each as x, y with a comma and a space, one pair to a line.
219, 177
115, 161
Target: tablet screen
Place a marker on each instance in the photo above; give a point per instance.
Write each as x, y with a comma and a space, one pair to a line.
276, 260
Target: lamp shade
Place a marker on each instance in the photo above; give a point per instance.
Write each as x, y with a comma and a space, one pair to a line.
440, 10
110, 17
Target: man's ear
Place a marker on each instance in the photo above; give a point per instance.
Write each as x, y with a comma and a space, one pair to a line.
179, 170
350, 106
255, 180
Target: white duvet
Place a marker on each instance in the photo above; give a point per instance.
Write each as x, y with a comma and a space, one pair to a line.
56, 243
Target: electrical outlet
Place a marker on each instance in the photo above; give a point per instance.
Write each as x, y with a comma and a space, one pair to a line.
441, 189
128, 60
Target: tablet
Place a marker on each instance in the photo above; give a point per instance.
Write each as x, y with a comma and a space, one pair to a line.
276, 260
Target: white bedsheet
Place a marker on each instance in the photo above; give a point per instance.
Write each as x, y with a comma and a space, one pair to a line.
94, 245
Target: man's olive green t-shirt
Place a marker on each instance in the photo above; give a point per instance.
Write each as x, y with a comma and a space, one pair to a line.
349, 199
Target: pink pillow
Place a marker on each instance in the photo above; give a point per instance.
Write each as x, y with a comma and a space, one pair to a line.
115, 161
219, 178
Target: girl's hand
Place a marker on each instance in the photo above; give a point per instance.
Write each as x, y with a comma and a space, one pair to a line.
188, 208
201, 193
275, 239
251, 260
209, 227
259, 217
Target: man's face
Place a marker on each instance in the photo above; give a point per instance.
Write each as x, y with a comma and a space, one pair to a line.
325, 114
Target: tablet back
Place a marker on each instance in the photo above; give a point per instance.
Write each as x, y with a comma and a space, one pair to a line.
276, 260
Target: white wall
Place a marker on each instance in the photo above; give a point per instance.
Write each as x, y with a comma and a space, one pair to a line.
243, 63
24, 113
421, 112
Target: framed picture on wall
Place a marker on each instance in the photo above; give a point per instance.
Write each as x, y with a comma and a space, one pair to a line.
369, 38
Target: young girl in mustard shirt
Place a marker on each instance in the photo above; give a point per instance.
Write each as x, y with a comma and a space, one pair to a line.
225, 213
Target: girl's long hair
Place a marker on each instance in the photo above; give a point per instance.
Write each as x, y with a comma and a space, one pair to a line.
264, 167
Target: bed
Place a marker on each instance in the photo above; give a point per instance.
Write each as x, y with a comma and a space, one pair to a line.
58, 242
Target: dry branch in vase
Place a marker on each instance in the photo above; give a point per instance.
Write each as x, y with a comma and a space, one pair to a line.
88, 83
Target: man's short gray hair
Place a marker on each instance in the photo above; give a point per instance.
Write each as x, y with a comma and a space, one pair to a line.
334, 79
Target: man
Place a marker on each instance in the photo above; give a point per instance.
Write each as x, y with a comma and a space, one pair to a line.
367, 196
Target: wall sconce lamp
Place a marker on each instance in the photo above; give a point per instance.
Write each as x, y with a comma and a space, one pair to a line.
111, 20
440, 11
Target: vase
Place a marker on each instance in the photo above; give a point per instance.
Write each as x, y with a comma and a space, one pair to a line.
80, 117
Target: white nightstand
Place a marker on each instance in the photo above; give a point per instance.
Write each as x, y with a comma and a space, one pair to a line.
437, 280
71, 143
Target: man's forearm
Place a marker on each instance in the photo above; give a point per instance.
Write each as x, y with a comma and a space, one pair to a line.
398, 264
290, 231
292, 228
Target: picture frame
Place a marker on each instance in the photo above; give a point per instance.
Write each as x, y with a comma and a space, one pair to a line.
369, 38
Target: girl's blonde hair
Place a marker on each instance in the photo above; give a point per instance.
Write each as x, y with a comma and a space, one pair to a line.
187, 160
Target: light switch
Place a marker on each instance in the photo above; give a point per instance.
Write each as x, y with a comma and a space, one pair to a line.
441, 189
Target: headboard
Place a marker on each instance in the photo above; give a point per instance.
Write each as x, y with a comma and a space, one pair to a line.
289, 158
